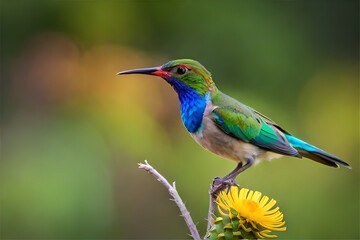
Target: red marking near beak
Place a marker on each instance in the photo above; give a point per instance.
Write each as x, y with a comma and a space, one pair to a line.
161, 73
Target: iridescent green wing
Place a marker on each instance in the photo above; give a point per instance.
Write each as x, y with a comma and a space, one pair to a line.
243, 123
235, 123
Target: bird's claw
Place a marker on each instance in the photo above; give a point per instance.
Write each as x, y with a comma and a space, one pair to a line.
221, 184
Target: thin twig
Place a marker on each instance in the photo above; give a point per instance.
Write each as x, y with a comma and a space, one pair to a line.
175, 195
212, 206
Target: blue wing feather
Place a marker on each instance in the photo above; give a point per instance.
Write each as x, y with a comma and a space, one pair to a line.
315, 153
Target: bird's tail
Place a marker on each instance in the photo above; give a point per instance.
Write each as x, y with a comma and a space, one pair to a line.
309, 151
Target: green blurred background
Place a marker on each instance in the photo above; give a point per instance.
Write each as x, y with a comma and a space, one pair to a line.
72, 132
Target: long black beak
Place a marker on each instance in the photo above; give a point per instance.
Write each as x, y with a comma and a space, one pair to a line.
149, 71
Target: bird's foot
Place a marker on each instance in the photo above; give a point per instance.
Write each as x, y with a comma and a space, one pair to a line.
221, 184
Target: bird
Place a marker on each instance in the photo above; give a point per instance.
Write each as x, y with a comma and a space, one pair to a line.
227, 127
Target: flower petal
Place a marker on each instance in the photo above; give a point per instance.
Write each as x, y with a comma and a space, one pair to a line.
255, 213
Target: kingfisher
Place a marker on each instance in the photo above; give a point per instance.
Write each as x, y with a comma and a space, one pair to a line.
227, 127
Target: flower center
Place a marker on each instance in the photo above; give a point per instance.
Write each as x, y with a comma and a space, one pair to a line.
252, 205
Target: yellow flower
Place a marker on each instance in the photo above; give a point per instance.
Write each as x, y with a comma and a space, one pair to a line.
255, 213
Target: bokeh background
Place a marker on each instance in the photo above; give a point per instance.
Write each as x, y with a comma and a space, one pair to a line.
72, 132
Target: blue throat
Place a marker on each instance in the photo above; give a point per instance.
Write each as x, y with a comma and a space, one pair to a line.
192, 105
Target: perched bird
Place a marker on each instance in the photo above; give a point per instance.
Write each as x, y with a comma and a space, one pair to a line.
226, 127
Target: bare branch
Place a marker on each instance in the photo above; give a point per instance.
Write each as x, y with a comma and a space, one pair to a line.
212, 206
175, 195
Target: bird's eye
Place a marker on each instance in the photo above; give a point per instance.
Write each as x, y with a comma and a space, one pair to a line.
181, 70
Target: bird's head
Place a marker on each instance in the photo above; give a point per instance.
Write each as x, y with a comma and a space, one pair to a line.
183, 74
